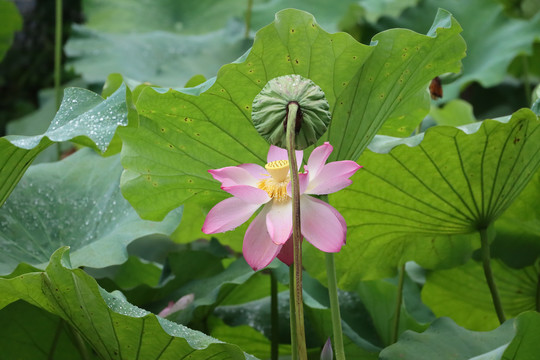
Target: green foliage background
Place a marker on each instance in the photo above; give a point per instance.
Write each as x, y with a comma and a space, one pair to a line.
177, 82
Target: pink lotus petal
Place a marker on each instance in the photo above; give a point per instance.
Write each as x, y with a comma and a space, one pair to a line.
228, 215
320, 226
318, 158
248, 193
340, 218
259, 250
255, 170
276, 153
279, 222
234, 175
333, 177
303, 181
286, 255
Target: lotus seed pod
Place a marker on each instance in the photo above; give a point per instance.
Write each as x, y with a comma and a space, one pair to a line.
270, 109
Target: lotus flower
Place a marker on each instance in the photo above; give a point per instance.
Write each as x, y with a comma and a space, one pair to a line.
270, 233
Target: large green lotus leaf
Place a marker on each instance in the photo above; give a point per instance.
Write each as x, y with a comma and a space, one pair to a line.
424, 198
371, 11
75, 202
38, 122
11, 22
84, 117
182, 134
28, 332
518, 229
132, 273
114, 328
375, 9
527, 67
445, 340
136, 16
330, 15
158, 57
388, 95
454, 113
492, 42
463, 294
379, 298
525, 345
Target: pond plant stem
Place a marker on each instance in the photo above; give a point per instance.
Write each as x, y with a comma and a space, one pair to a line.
58, 53
338, 347
274, 311
486, 257
292, 111
248, 18
58, 62
399, 301
292, 316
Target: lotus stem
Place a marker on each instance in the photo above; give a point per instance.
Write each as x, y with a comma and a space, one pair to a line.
486, 262
274, 348
58, 53
399, 301
297, 235
248, 18
58, 63
334, 307
292, 316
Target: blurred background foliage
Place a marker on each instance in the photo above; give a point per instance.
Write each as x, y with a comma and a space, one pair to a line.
174, 44
167, 42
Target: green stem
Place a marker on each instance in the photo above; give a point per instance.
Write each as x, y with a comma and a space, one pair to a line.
274, 348
58, 62
486, 257
418, 129
339, 349
248, 18
58, 53
292, 311
399, 300
297, 235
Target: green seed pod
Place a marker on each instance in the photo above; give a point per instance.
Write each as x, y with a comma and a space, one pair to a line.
270, 108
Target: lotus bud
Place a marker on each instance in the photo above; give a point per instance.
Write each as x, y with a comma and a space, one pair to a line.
327, 353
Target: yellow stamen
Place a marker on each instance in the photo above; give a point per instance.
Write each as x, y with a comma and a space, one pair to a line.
278, 169
276, 185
